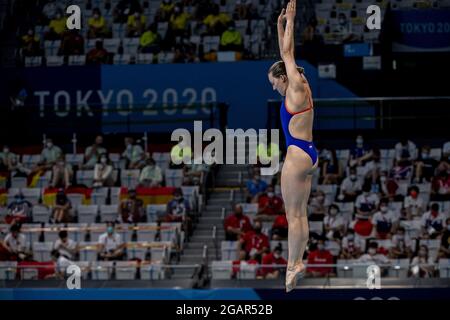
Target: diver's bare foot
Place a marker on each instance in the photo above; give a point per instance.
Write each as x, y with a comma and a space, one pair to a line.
292, 275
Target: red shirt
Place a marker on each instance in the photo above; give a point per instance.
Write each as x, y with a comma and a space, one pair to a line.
270, 259
243, 222
275, 204
280, 221
252, 240
320, 257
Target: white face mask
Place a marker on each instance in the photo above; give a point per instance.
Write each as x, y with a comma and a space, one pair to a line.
270, 194
372, 251
103, 160
276, 255
383, 178
383, 209
49, 145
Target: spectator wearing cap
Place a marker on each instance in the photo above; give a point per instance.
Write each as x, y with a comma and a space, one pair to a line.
333, 223
384, 220
433, 222
61, 174
276, 261
269, 205
322, 256
255, 240
19, 211
401, 245
425, 165
65, 246
98, 54
92, 153
111, 245
151, 174
236, 224
15, 244
413, 204
136, 24
350, 187
131, 210
280, 226
133, 155
351, 246
422, 265
97, 25
444, 250
255, 187
103, 172
61, 211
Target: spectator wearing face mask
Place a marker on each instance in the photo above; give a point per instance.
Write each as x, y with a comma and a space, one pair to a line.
360, 153
236, 224
255, 187
134, 154
49, 156
401, 245
111, 246
318, 206
432, 222
440, 187
131, 210
280, 226
333, 223
62, 208
61, 174
178, 21
151, 175
330, 167
319, 255
373, 256
444, 250
97, 25
424, 166
350, 187
150, 41
275, 259
136, 24
384, 220
422, 264
19, 211
269, 205
366, 205
351, 246
57, 27
103, 172
7, 159
65, 246
255, 240
93, 152
178, 208
413, 204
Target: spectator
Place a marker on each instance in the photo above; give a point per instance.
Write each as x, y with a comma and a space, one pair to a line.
151, 175
388, 187
97, 55
131, 210
19, 211
413, 204
236, 224
243, 260
372, 167
254, 242
65, 246
136, 24
231, 39
92, 153
178, 21
273, 258
425, 166
150, 40
103, 172
49, 156
15, 244
178, 209
255, 187
440, 187
110, 243
193, 173
360, 153
318, 206
432, 222
57, 27
280, 226
61, 265
216, 22
351, 247
350, 187
269, 205
405, 153
31, 44
97, 25
422, 265
62, 208
320, 255
72, 43
373, 256
124, 9
7, 159
401, 245
384, 220
61, 174
165, 10
366, 205
333, 223
134, 154
444, 250
330, 168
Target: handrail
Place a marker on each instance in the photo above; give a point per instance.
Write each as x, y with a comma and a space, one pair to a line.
374, 99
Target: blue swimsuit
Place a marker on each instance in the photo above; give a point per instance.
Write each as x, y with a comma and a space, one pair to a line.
306, 146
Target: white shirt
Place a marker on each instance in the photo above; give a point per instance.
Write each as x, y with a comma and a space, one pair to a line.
440, 219
15, 244
389, 217
70, 244
62, 264
396, 241
412, 149
377, 258
348, 185
355, 243
413, 204
372, 199
110, 243
333, 222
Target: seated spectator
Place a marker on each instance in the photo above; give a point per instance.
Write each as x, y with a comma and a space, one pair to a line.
360, 153
413, 204
330, 168
373, 255
62, 209
319, 255
179, 209
333, 223
165, 10
231, 39
61, 265
405, 153
111, 246
236, 224
254, 242
425, 166
65, 246
151, 175
49, 156
193, 173
103, 172
131, 210
273, 258
351, 246
72, 43
444, 250
280, 226
372, 167
61, 174
92, 153
318, 206
269, 205
19, 211
125, 8
384, 220
15, 245
98, 27
253, 260
7, 159
133, 155
440, 187
366, 205
31, 44
401, 245
422, 264
433, 222
136, 24
216, 22
178, 21
255, 187
97, 55
150, 41
350, 187
57, 27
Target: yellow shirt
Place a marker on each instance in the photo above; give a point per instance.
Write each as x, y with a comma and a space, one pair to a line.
231, 37
58, 25
26, 38
166, 7
132, 20
97, 23
148, 38
179, 22
212, 20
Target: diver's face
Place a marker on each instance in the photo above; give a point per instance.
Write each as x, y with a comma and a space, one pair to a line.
278, 84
